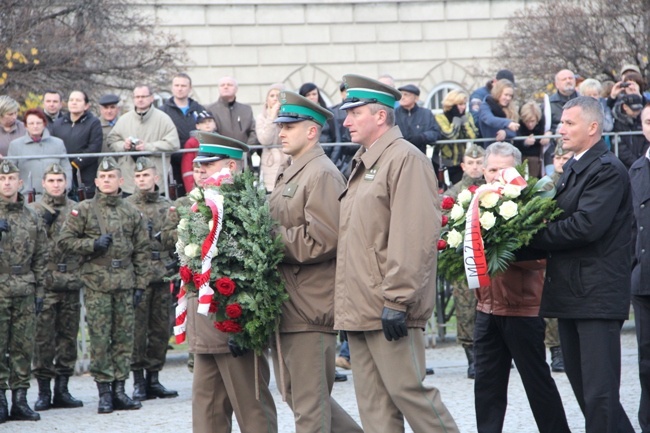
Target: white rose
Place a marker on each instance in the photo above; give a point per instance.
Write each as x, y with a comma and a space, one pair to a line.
182, 224
511, 191
489, 200
508, 209
192, 250
454, 238
196, 195
465, 196
457, 212
487, 220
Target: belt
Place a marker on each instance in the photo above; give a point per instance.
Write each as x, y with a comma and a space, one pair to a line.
111, 263
63, 267
15, 269
155, 255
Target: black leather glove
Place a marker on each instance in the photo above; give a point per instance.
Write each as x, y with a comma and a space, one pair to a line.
150, 228
38, 305
393, 323
102, 243
49, 217
138, 294
235, 349
4, 227
343, 336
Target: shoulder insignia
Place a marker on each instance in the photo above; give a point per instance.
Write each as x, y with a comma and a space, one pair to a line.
74, 212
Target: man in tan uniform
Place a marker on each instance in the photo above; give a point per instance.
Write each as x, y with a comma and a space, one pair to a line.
386, 266
305, 203
222, 382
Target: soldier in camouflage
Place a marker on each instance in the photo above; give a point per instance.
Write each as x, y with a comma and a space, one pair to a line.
464, 299
57, 326
152, 314
23, 257
552, 335
112, 236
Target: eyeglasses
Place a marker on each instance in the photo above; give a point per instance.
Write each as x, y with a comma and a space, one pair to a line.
141, 96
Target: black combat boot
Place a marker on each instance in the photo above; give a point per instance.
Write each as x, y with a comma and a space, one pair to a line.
62, 397
44, 401
105, 398
469, 352
139, 386
121, 401
557, 360
155, 389
4, 407
20, 410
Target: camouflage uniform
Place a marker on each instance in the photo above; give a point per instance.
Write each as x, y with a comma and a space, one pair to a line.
57, 326
110, 278
151, 335
464, 183
23, 256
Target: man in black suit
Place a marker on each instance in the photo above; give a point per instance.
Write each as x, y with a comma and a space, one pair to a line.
587, 283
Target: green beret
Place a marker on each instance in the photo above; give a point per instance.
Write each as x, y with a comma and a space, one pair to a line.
143, 163
108, 164
474, 151
8, 167
559, 151
296, 108
363, 90
214, 147
54, 168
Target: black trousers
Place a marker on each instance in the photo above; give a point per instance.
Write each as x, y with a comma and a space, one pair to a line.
641, 306
592, 361
497, 341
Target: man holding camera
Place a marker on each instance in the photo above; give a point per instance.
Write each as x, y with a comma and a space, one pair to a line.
144, 129
151, 336
113, 236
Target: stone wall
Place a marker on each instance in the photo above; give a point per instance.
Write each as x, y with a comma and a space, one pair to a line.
427, 43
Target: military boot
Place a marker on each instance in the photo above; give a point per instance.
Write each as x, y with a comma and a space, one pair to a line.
20, 410
557, 360
155, 389
4, 407
62, 397
121, 401
105, 398
44, 401
139, 386
469, 352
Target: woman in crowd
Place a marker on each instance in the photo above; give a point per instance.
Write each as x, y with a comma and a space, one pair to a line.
455, 124
328, 133
532, 123
10, 127
37, 142
81, 132
267, 135
497, 114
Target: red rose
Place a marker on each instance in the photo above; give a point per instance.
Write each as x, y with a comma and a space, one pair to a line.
228, 326
186, 274
233, 311
445, 220
225, 286
448, 202
442, 244
214, 305
200, 279
472, 189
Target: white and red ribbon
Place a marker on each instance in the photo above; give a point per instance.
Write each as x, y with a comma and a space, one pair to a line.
208, 249
476, 267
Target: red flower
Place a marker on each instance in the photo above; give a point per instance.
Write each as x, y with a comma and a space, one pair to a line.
200, 279
214, 305
445, 220
472, 189
225, 286
186, 274
442, 244
233, 311
448, 202
228, 326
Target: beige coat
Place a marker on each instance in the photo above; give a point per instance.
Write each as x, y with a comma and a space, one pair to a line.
305, 203
272, 157
389, 229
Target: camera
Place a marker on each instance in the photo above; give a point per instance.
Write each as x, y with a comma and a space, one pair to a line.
134, 142
624, 85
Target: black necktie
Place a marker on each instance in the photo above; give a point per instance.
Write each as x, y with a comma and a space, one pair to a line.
567, 166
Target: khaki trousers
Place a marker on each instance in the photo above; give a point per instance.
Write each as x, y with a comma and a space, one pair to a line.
308, 368
388, 381
223, 384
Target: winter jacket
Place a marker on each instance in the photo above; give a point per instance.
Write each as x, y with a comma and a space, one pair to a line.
418, 126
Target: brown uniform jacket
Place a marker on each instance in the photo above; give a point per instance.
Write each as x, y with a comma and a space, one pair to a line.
516, 292
389, 229
305, 203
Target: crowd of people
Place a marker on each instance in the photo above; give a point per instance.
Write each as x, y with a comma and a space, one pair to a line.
104, 225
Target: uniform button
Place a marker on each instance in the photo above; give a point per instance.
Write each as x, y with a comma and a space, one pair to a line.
643, 251
641, 228
548, 279
550, 255
642, 206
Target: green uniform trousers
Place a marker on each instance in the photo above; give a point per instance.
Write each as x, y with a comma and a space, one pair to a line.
17, 325
151, 331
465, 303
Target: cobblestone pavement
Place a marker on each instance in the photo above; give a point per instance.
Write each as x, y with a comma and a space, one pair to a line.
448, 359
